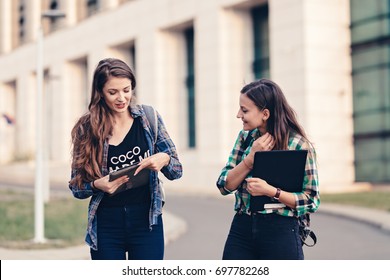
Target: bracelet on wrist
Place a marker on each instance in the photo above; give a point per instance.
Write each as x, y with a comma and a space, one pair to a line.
93, 185
277, 194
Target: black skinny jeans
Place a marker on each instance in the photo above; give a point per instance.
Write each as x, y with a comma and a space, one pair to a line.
263, 237
126, 229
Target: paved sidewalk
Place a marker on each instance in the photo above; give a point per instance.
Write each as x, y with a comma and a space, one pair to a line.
174, 226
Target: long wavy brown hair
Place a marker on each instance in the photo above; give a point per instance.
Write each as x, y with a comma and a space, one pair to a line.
268, 95
93, 128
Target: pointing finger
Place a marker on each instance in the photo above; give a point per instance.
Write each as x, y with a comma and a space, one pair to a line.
141, 166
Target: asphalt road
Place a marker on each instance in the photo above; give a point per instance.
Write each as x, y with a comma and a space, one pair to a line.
208, 220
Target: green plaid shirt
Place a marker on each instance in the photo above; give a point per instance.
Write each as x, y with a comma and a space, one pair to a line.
307, 201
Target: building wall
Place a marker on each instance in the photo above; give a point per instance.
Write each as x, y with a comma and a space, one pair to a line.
370, 34
310, 65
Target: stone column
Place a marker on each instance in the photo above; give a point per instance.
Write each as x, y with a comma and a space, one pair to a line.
5, 26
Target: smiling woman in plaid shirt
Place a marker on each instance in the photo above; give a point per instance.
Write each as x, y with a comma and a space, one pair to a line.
269, 123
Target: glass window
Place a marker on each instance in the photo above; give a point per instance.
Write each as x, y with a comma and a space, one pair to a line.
22, 23
92, 7
370, 31
132, 57
372, 162
363, 10
190, 84
260, 27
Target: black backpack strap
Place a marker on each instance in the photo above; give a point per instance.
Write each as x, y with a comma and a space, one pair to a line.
151, 115
245, 145
312, 236
305, 230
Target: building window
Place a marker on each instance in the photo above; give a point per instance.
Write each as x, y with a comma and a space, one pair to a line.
260, 65
54, 5
132, 57
54, 21
92, 7
8, 128
370, 34
22, 22
190, 85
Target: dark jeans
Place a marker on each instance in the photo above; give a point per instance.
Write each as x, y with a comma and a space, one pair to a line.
126, 229
263, 237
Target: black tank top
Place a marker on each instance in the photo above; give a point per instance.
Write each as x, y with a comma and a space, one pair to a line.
130, 151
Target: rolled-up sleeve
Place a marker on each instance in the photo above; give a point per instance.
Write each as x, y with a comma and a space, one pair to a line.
221, 182
308, 200
81, 192
174, 169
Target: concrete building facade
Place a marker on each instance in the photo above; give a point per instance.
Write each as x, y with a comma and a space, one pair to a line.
191, 58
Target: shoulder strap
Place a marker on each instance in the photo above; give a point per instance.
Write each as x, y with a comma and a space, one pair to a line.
305, 230
247, 141
151, 115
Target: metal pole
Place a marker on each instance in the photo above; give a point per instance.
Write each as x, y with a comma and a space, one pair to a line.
39, 203
41, 176
45, 142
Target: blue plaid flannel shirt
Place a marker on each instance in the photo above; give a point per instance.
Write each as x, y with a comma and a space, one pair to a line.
172, 171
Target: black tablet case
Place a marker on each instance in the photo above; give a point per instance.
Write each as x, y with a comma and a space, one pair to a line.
141, 179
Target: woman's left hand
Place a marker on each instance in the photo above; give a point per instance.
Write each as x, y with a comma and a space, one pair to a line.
155, 162
257, 186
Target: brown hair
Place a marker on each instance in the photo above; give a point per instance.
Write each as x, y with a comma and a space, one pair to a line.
268, 95
93, 128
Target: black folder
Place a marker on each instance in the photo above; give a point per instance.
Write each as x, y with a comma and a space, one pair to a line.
281, 169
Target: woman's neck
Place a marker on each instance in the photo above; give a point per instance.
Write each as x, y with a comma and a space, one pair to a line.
122, 118
122, 125
262, 130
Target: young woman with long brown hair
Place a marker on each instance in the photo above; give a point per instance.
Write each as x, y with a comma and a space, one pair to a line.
269, 123
115, 133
